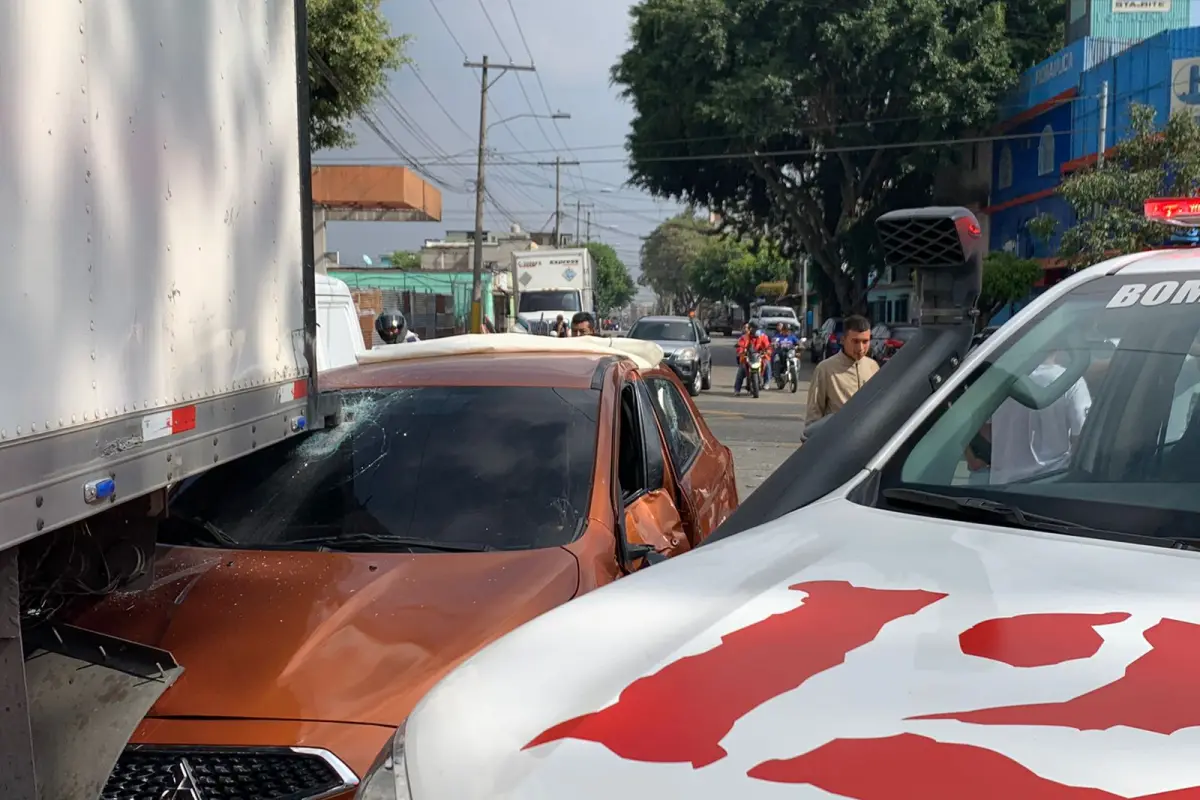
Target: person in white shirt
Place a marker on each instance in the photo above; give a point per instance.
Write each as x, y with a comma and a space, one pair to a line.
1027, 442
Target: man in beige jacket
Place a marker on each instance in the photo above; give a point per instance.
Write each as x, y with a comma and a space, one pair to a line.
836, 379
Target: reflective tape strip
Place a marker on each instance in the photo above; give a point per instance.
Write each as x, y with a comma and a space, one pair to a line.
168, 423
291, 392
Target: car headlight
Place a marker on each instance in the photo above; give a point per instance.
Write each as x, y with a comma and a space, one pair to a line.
686, 354
387, 779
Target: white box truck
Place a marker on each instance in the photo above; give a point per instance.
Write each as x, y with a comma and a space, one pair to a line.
552, 282
159, 316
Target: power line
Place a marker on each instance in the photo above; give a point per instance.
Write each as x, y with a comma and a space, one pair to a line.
812, 151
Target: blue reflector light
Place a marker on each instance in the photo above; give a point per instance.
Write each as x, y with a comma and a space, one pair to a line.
103, 489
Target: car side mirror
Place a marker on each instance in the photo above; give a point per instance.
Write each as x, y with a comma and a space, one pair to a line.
706, 339
630, 553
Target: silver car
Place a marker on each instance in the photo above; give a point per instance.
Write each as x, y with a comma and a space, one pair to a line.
686, 345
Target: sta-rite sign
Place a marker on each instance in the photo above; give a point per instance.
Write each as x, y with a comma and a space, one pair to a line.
1135, 6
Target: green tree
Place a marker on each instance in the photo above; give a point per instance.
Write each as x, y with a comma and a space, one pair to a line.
1108, 200
353, 39
772, 113
1036, 30
405, 259
1007, 278
729, 269
614, 286
668, 256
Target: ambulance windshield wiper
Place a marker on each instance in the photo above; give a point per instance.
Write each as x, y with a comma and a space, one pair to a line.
983, 510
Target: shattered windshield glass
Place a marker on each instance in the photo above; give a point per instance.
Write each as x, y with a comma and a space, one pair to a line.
508, 468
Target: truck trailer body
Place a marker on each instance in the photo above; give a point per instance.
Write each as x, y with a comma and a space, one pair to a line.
158, 315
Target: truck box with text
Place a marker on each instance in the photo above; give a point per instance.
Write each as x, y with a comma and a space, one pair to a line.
550, 283
158, 318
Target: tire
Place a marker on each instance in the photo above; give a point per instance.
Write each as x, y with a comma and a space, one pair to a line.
706, 381
695, 383
794, 379
753, 378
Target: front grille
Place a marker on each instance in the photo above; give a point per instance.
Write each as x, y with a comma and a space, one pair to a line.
539, 327
212, 773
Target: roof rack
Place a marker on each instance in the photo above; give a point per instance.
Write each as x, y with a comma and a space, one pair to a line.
642, 353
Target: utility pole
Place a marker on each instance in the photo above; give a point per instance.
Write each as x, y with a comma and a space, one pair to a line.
477, 270
589, 226
579, 207
558, 164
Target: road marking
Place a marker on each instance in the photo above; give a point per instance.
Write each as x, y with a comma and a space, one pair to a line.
716, 412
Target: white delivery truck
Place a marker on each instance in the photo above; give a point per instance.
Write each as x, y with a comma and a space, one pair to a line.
552, 282
159, 317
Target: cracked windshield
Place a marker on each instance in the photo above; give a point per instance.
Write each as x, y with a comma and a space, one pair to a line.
432, 464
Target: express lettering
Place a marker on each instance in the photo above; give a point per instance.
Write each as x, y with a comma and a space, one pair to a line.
1156, 294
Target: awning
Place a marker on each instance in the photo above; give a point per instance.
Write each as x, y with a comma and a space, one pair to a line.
361, 193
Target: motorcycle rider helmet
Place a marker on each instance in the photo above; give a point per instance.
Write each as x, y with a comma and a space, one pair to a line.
391, 327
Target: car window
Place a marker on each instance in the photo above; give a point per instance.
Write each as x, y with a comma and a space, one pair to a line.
1088, 403
678, 424
640, 465
506, 467
776, 311
550, 300
664, 331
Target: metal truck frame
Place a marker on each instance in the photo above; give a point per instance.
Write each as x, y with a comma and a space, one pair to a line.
161, 317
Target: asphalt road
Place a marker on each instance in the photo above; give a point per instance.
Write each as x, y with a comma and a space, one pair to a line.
761, 432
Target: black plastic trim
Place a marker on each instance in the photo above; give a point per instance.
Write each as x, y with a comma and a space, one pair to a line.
846, 443
602, 370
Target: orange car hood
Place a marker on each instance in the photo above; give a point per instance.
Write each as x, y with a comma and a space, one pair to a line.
342, 637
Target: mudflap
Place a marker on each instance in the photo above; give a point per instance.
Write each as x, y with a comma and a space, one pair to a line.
87, 694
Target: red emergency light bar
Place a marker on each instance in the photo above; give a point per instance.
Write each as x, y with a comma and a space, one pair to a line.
1181, 211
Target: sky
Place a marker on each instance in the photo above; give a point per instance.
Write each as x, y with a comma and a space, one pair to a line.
573, 44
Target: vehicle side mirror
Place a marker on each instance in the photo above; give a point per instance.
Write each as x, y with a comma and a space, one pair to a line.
706, 339
630, 553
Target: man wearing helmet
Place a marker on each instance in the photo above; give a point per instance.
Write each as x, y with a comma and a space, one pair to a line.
393, 329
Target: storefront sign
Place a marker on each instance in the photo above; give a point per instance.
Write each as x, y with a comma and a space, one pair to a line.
1185, 85
1141, 6
1062, 63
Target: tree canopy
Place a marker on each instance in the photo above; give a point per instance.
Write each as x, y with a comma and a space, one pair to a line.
354, 40
1007, 278
614, 285
795, 119
668, 256
405, 259
729, 269
1109, 199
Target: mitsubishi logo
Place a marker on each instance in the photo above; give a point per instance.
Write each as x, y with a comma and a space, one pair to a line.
184, 785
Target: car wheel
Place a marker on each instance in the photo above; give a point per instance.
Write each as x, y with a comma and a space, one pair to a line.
694, 386
706, 381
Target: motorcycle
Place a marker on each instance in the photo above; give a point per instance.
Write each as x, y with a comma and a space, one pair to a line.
793, 369
752, 361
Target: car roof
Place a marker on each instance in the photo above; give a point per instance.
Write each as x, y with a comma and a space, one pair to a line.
551, 370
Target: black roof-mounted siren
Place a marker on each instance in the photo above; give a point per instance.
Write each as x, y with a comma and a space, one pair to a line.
944, 248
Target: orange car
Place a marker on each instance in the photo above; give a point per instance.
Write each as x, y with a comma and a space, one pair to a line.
313, 591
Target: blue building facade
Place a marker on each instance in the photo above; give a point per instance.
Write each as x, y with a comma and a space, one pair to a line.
1053, 124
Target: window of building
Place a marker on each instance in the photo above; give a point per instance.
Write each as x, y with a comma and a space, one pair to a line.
1005, 171
1046, 151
